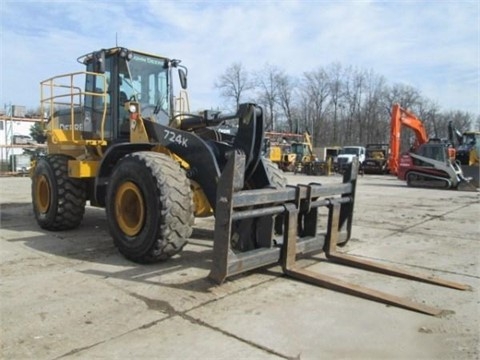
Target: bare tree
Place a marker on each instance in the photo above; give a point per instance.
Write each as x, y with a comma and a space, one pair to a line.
374, 128
302, 115
316, 90
354, 87
286, 91
338, 105
429, 112
407, 96
234, 82
461, 120
335, 77
476, 121
267, 85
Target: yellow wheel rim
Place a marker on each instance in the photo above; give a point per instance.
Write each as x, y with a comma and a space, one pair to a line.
129, 208
42, 194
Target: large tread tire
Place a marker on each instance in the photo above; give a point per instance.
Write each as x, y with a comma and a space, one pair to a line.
248, 231
275, 175
157, 187
58, 200
278, 181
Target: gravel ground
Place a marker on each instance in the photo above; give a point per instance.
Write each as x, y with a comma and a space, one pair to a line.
70, 294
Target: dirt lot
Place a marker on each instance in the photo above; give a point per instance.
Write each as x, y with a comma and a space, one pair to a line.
72, 295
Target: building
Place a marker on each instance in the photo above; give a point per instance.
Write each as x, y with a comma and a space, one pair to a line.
15, 138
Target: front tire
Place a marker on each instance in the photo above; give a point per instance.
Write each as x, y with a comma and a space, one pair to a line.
274, 174
58, 200
149, 207
248, 234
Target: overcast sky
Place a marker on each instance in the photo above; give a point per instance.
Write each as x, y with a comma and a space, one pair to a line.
431, 45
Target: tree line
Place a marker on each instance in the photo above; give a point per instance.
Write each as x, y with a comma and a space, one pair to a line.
337, 105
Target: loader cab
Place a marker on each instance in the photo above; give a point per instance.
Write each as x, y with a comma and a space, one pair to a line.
301, 150
434, 151
470, 140
126, 77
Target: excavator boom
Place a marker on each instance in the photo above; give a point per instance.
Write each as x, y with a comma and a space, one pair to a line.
401, 117
430, 163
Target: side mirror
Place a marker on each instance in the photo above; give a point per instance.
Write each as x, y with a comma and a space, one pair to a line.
183, 78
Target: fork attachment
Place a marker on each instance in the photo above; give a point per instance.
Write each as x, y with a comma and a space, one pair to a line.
297, 209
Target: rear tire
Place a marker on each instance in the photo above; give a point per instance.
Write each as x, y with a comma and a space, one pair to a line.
278, 181
149, 207
58, 200
275, 175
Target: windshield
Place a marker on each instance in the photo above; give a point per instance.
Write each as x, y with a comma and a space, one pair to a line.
299, 149
469, 139
145, 79
350, 151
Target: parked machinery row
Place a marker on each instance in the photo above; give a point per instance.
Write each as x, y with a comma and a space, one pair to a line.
430, 163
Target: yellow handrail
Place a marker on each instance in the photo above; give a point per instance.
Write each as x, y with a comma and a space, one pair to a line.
61, 91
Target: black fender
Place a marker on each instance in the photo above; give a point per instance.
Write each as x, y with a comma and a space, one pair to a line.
114, 153
203, 156
206, 157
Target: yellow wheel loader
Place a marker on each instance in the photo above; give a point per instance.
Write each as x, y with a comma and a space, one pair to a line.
118, 138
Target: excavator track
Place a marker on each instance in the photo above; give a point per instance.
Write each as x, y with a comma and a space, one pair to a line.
423, 180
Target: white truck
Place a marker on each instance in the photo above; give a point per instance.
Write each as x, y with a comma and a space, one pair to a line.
344, 159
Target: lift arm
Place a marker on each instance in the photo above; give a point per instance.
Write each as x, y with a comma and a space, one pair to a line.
400, 118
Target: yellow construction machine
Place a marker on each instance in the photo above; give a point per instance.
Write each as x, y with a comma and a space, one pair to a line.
467, 146
118, 138
307, 162
281, 149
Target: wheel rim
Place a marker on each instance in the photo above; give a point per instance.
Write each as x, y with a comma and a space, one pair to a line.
42, 194
129, 208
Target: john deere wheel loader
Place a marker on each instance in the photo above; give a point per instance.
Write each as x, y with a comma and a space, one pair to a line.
119, 139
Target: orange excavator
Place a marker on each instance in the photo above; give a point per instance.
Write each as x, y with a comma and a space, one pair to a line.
400, 118
430, 163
